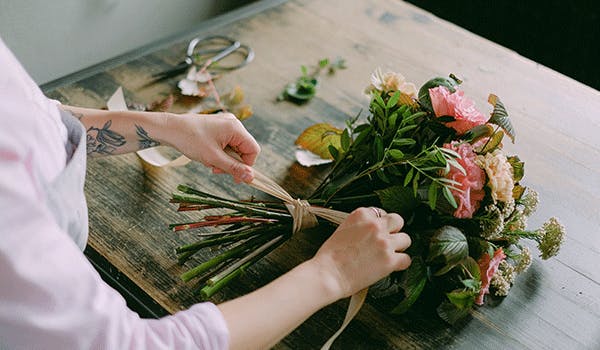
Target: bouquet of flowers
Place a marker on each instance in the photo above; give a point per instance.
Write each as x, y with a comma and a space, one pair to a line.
428, 155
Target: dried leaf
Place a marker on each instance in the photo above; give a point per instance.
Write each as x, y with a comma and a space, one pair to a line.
234, 97
243, 112
318, 137
163, 105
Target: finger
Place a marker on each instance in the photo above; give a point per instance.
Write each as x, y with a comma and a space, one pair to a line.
237, 169
402, 262
401, 241
394, 222
245, 145
217, 171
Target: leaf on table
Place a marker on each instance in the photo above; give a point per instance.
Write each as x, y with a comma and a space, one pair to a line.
500, 117
242, 112
234, 97
162, 105
308, 159
319, 137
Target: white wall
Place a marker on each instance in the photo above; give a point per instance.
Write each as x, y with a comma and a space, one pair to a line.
53, 38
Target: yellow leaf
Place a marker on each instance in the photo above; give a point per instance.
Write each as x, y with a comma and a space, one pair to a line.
235, 96
318, 137
243, 112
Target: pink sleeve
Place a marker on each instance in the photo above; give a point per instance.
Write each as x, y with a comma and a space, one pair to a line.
52, 298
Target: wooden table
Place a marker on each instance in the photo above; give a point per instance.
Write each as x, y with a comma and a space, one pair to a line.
556, 304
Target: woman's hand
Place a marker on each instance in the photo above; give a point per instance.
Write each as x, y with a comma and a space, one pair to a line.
366, 247
205, 138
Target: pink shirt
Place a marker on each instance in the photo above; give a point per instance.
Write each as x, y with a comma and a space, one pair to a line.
50, 295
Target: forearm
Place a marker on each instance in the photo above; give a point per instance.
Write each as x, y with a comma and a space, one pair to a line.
262, 318
118, 132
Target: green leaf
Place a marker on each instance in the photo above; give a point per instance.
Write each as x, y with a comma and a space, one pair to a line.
392, 120
300, 92
470, 265
345, 140
410, 118
500, 117
381, 174
409, 176
397, 199
405, 129
518, 168
461, 298
363, 135
449, 197
379, 101
450, 313
393, 100
413, 283
415, 184
432, 195
378, 144
478, 132
448, 245
323, 63
425, 99
334, 152
471, 284
403, 142
378, 111
395, 154
304, 70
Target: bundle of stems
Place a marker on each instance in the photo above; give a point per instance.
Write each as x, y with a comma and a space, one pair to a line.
250, 230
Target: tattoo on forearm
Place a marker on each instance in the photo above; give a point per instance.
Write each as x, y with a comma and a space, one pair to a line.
103, 141
144, 139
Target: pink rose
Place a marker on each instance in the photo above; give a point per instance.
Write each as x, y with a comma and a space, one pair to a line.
488, 268
455, 105
471, 183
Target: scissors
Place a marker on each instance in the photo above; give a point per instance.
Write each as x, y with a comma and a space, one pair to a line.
207, 52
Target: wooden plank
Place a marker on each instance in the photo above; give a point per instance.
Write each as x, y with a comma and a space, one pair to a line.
553, 305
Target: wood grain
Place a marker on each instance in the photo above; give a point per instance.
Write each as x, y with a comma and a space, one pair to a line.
556, 304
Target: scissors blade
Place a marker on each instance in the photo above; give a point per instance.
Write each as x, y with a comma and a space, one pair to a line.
177, 70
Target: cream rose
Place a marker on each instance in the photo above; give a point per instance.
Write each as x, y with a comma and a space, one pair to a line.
500, 175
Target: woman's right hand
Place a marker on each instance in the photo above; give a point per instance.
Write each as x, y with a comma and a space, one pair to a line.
365, 248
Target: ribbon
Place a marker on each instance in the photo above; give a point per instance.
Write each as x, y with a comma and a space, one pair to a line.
303, 214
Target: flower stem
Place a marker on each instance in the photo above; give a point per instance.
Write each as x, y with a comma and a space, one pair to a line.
202, 268
217, 284
223, 203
